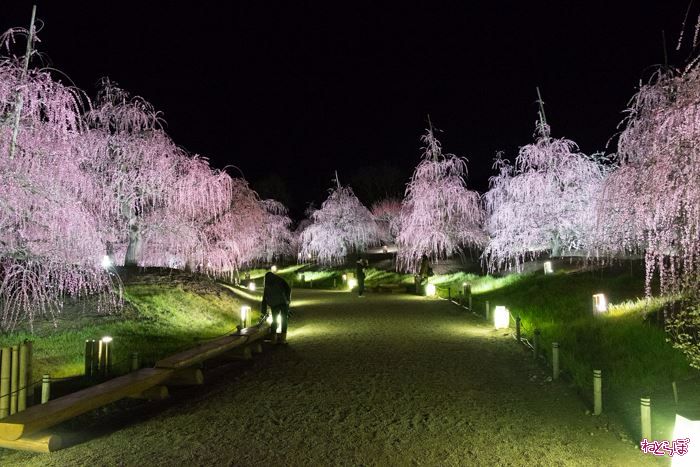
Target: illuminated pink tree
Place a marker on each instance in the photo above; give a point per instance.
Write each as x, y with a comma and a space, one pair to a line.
343, 225
275, 238
651, 203
440, 215
544, 203
50, 246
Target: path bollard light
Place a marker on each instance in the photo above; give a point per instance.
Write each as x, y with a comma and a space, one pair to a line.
251, 286
385, 249
273, 268
345, 277
686, 429
555, 360
536, 344
488, 311
600, 303
597, 392
88, 357
517, 329
352, 283
548, 267
430, 290
245, 315
106, 355
45, 388
645, 412
501, 317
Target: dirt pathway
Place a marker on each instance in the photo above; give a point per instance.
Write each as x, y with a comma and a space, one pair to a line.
384, 380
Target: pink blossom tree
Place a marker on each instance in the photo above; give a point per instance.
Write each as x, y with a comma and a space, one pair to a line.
50, 246
387, 213
544, 203
440, 215
343, 225
275, 238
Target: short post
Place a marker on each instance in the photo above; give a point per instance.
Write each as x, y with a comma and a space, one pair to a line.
555, 360
311, 283
22, 395
536, 344
334, 282
449, 293
470, 300
597, 392
5, 362
517, 329
14, 379
95, 359
88, 357
134, 361
102, 353
646, 417
488, 311
45, 388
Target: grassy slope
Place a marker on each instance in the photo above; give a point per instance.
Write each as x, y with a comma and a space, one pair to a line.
165, 312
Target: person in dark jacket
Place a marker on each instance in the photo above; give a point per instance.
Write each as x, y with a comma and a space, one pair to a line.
277, 295
360, 273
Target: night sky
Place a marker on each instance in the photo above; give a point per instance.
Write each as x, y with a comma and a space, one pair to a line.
288, 93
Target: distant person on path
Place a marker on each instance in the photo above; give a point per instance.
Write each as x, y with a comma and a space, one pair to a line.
360, 273
424, 272
277, 295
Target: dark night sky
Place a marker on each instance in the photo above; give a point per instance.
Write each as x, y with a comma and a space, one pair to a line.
305, 88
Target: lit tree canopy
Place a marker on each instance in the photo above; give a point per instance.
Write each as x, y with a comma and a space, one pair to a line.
440, 214
275, 238
544, 203
651, 202
342, 225
387, 213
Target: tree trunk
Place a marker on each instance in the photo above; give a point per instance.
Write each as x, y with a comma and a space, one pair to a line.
134, 248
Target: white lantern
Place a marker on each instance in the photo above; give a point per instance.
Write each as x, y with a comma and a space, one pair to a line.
273, 268
245, 313
501, 317
251, 286
600, 303
345, 277
430, 290
548, 267
352, 283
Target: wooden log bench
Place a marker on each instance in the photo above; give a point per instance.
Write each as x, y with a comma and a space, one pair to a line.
18, 430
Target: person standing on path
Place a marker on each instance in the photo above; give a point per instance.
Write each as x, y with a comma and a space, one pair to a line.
277, 295
360, 273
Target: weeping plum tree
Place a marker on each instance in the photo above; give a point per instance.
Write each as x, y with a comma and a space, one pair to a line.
50, 246
275, 238
440, 214
387, 213
544, 203
343, 225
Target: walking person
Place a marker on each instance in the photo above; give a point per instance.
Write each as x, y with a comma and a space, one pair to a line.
360, 273
277, 295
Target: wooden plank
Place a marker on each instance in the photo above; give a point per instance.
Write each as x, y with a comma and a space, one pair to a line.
214, 347
42, 442
40, 417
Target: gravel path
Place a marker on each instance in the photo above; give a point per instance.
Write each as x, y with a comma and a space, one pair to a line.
383, 380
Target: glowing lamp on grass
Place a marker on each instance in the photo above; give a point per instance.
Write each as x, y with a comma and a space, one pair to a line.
352, 283
245, 313
686, 429
251, 286
430, 290
385, 249
345, 277
600, 303
273, 268
106, 262
501, 317
106, 339
548, 267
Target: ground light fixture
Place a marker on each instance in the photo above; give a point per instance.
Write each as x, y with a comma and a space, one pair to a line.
600, 303
273, 268
106, 262
352, 283
686, 429
345, 277
548, 267
245, 313
430, 290
501, 317
251, 286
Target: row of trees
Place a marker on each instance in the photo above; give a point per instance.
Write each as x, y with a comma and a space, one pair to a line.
86, 184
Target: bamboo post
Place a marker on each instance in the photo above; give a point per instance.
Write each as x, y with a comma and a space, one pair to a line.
30, 354
334, 282
536, 344
675, 391
488, 310
109, 347
470, 300
95, 360
102, 357
14, 379
597, 392
22, 395
134, 361
88, 358
555, 360
517, 329
45, 388
646, 417
5, 361
449, 293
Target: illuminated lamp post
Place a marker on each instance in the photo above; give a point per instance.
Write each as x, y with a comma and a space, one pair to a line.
600, 303
501, 317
